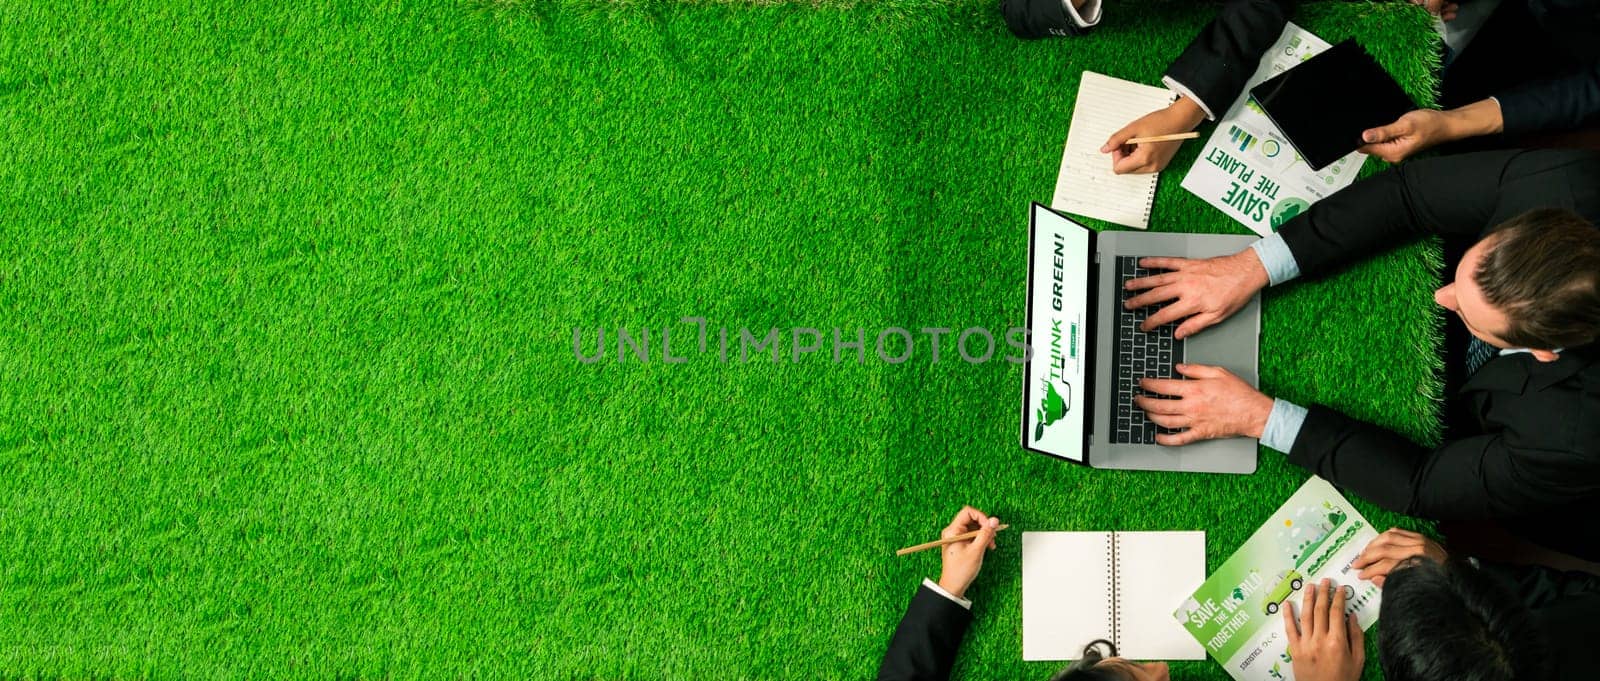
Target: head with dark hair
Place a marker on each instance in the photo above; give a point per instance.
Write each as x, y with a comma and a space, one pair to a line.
1534, 282
1100, 663
1450, 622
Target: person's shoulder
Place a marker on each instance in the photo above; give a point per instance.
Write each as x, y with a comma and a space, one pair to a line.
1510, 168
1581, 393
1547, 178
1588, 373
1556, 417
1574, 378
1585, 162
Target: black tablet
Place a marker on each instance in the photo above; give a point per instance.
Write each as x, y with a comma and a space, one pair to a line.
1324, 103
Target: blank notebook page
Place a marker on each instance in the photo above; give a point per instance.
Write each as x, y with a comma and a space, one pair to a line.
1157, 572
1086, 186
1119, 586
1066, 593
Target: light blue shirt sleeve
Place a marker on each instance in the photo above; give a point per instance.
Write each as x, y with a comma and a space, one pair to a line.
1277, 258
1283, 425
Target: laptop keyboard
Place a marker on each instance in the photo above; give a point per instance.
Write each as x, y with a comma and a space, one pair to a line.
1138, 355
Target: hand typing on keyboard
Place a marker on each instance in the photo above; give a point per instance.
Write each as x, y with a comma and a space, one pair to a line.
1202, 292
1138, 354
1212, 403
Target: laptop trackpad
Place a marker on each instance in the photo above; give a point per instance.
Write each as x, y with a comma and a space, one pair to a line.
1230, 345
1233, 344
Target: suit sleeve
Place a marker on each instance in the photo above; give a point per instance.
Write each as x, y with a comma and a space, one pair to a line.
1540, 587
1469, 478
1565, 606
1562, 103
1217, 62
1452, 195
925, 644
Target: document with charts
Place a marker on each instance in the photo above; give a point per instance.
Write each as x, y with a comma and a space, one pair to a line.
1086, 186
1248, 169
1238, 613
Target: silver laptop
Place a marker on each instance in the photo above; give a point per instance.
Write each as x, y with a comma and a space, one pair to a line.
1088, 353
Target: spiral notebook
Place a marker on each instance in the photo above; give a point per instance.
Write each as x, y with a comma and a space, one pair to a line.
1086, 186
1119, 586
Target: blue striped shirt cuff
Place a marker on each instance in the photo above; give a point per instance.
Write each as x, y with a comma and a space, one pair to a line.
1283, 425
1277, 258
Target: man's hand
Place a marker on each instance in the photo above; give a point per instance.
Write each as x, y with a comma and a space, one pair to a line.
962, 560
1182, 115
1413, 132
1215, 403
1424, 128
1206, 291
1326, 645
1391, 549
1440, 8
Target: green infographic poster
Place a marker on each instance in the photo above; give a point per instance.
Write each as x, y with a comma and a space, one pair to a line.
1237, 613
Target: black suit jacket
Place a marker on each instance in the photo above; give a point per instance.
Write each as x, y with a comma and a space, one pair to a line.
1567, 101
925, 644
1565, 606
1524, 436
1217, 62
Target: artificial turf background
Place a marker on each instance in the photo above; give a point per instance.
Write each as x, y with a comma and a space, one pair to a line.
287, 381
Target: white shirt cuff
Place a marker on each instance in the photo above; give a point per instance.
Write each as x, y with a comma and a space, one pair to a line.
1183, 91
1088, 16
1283, 425
1276, 258
934, 586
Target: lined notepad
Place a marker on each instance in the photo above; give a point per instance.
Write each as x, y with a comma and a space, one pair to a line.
1086, 186
1119, 586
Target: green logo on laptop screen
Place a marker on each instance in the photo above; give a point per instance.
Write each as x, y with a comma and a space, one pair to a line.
1052, 406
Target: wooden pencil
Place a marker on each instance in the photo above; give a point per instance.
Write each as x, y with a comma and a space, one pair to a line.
1164, 138
935, 544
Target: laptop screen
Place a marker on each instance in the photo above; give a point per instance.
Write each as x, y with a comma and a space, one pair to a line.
1054, 397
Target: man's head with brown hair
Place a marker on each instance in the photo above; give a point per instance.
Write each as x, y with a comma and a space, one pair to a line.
1534, 282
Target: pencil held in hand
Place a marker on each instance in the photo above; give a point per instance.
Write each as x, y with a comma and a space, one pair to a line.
965, 536
1164, 138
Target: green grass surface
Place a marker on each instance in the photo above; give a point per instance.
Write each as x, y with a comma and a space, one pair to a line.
287, 385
